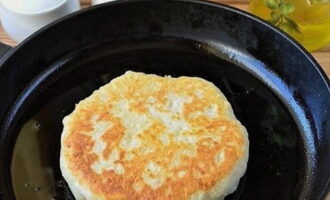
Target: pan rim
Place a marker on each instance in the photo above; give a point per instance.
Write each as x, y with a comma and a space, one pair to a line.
312, 61
218, 5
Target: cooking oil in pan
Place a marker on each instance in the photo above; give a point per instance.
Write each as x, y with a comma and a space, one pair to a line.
275, 165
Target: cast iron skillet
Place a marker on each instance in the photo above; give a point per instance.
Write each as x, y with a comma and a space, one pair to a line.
276, 88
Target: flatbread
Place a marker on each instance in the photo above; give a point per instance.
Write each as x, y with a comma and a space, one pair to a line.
145, 136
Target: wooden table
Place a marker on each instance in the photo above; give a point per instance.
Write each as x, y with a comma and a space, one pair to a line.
322, 56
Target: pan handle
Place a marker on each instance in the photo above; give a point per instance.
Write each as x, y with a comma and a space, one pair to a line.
4, 49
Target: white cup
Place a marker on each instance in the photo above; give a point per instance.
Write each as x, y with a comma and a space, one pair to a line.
21, 18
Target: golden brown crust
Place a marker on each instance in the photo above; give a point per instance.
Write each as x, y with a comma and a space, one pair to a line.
178, 166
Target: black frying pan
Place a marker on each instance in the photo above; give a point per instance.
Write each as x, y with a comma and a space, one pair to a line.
276, 88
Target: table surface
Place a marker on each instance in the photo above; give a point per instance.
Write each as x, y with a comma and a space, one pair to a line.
322, 55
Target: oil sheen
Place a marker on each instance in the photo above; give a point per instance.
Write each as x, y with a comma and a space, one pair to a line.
276, 159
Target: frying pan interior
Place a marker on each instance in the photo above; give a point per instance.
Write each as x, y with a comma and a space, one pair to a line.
194, 39
276, 154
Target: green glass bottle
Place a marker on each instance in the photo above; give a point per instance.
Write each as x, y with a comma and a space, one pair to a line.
308, 21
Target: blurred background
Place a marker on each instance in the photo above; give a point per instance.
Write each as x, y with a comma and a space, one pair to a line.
308, 21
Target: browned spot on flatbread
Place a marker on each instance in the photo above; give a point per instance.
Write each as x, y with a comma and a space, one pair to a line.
163, 164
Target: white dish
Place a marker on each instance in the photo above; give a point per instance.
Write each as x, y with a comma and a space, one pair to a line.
21, 18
